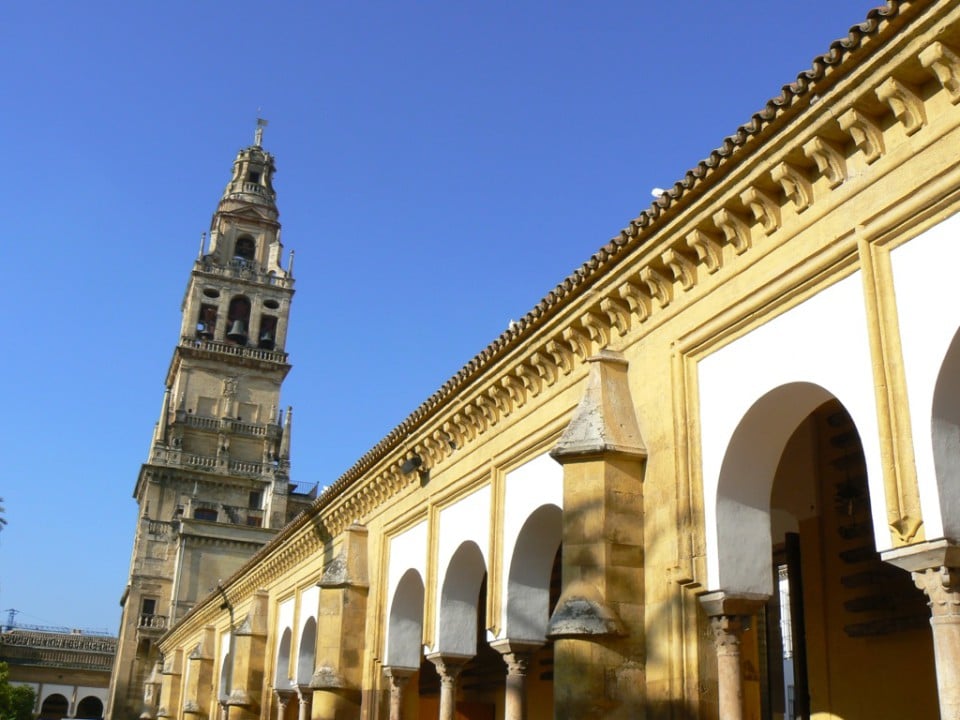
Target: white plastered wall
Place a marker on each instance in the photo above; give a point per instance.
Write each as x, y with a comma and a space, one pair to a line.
929, 314
309, 609
467, 520
534, 484
408, 551
284, 623
822, 341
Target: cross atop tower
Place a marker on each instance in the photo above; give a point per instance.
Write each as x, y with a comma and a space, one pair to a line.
258, 135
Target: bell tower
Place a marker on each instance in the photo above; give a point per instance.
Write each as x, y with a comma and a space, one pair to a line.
216, 485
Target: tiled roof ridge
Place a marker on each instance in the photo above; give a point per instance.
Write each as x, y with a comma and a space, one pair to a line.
600, 261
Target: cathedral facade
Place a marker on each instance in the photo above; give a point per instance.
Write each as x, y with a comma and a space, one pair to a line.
715, 473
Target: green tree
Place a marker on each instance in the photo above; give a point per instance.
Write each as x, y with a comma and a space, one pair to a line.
16, 701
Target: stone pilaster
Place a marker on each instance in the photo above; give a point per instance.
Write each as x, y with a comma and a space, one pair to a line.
170, 685
341, 629
250, 645
449, 668
598, 623
399, 677
728, 614
517, 656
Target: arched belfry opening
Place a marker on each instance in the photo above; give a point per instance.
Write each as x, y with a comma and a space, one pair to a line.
238, 320
796, 535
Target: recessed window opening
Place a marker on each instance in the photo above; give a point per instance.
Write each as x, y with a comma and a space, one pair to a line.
246, 248
254, 177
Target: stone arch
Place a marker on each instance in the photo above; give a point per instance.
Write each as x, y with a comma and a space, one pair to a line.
307, 652
281, 677
945, 436
459, 599
528, 579
746, 480
405, 625
90, 707
54, 707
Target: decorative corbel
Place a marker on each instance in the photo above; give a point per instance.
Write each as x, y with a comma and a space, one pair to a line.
544, 367
467, 430
660, 288
637, 300
905, 104
530, 377
830, 161
597, 327
707, 248
866, 134
795, 184
489, 409
455, 432
618, 313
578, 342
501, 399
683, 268
945, 64
735, 230
561, 354
515, 389
476, 417
765, 209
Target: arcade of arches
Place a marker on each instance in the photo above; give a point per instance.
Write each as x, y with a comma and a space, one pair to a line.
714, 474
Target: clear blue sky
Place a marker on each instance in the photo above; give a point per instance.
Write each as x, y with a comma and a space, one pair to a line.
441, 167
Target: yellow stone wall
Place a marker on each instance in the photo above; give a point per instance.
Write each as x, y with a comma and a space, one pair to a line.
819, 194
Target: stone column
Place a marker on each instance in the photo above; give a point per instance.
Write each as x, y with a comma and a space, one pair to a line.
283, 697
449, 667
517, 656
942, 587
305, 695
399, 677
728, 614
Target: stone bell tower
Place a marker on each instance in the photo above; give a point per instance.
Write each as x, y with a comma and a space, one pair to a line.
216, 485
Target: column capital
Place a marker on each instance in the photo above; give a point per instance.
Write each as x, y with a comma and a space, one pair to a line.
942, 588
399, 675
517, 654
449, 665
